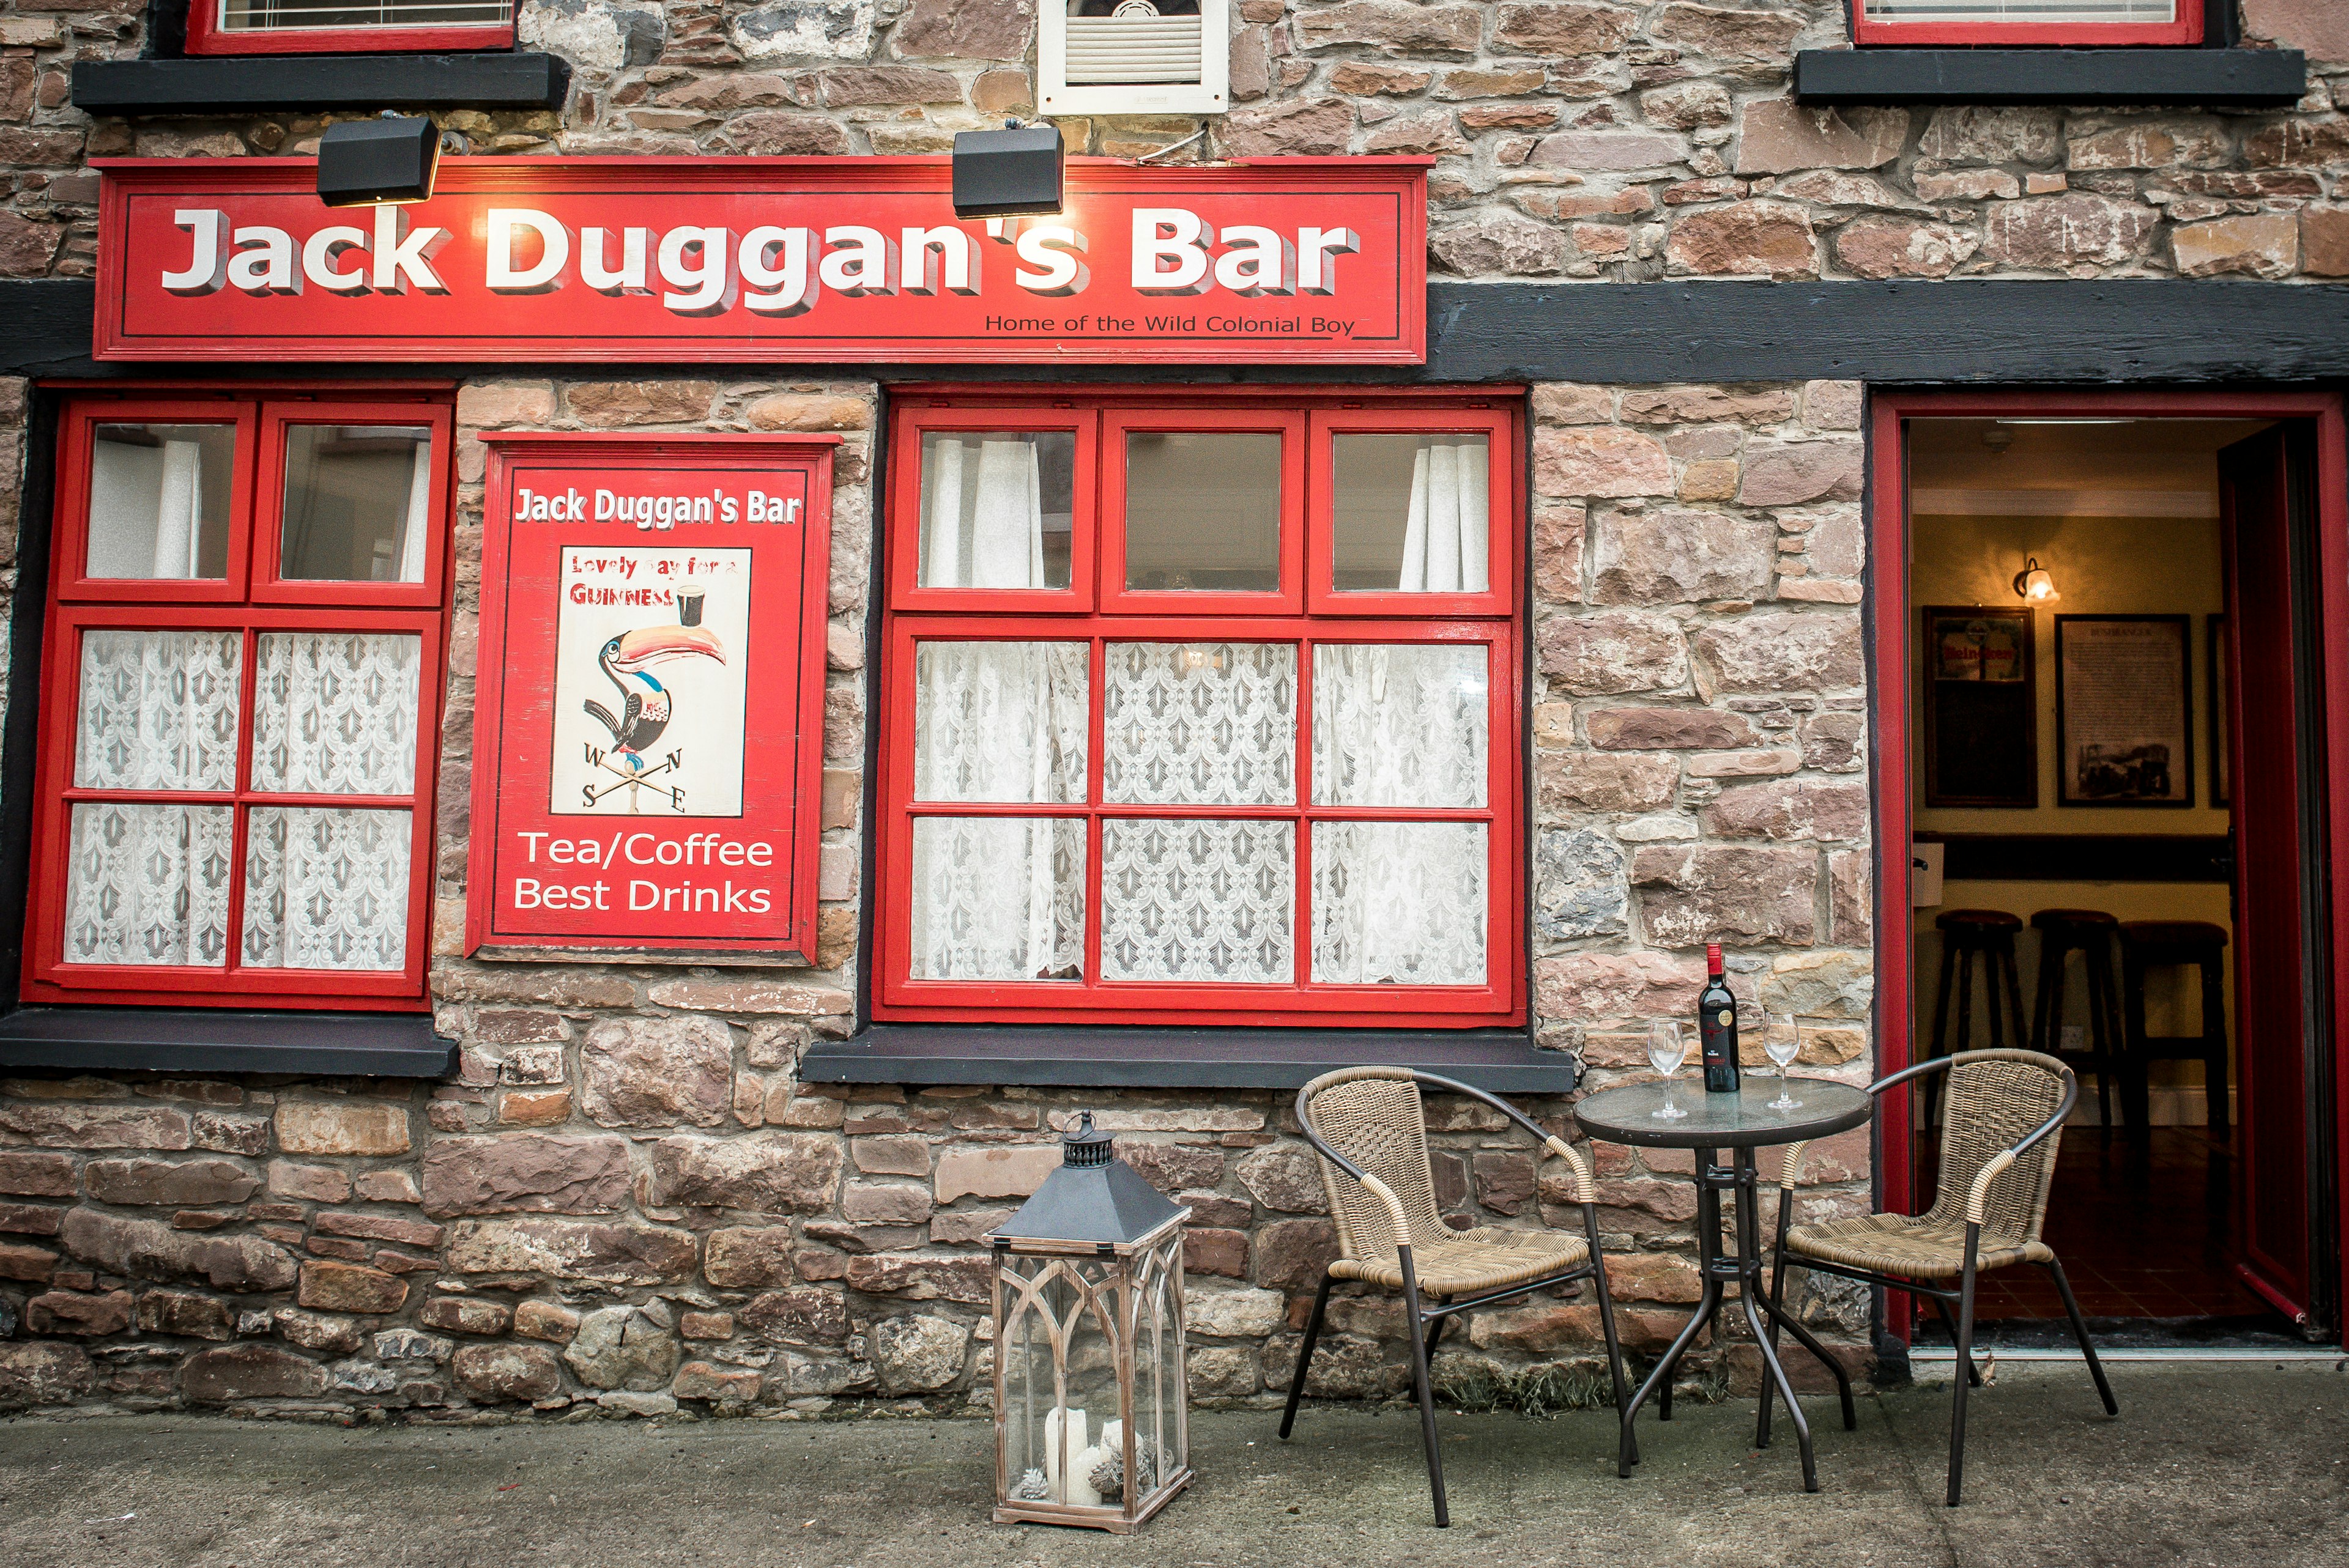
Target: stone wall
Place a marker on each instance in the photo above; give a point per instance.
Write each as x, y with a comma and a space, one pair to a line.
1574, 139
626, 1199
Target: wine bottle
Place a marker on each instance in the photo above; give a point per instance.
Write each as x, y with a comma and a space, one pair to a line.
1716, 1025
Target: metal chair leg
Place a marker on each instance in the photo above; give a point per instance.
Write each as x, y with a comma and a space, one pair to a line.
1427, 1394
1305, 1354
1949, 1326
1965, 1360
1435, 1329
2080, 1329
1607, 1322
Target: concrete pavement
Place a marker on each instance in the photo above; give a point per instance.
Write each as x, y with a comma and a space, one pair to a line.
2232, 1465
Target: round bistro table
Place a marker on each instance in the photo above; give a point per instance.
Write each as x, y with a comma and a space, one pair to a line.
1741, 1123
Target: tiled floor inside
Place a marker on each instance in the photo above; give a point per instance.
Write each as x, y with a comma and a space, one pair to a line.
2141, 1221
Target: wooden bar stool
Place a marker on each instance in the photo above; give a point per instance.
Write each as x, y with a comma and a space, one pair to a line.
2159, 944
1968, 934
2089, 933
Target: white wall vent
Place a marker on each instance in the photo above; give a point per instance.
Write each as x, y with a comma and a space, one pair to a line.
1135, 57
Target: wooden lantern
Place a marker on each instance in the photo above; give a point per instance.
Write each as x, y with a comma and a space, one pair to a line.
1091, 1412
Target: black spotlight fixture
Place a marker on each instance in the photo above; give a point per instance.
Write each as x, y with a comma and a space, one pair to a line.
1010, 173
378, 163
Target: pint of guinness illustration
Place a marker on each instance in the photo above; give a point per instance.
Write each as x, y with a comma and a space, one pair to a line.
688, 606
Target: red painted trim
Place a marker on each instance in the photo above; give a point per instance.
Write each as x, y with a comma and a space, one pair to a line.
1170, 616
1117, 425
2332, 591
2186, 30
1499, 423
77, 440
78, 603
207, 37
1889, 566
904, 565
268, 543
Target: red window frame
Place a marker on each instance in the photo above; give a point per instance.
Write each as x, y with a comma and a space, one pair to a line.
207, 37
1493, 620
251, 599
2186, 30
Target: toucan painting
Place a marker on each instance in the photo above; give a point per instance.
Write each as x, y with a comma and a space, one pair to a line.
628, 661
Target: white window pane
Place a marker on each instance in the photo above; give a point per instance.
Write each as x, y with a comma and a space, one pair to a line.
999, 721
357, 503
996, 509
159, 500
2016, 13
148, 884
998, 898
1399, 903
158, 710
1399, 724
1192, 900
1202, 511
325, 888
1200, 724
333, 713
1413, 515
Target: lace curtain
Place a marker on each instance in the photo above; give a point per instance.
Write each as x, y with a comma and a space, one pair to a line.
998, 898
325, 888
1400, 725
982, 513
1446, 534
1201, 900
148, 884
333, 713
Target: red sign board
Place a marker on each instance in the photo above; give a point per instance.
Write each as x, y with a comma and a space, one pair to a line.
648, 714
1280, 261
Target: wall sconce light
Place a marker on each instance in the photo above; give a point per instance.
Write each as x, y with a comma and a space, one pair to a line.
2032, 584
378, 163
1010, 173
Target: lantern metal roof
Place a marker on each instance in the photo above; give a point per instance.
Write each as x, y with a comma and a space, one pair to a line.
1092, 1199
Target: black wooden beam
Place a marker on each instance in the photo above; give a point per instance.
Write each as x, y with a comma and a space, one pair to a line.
264, 83
2166, 77
2130, 332
1500, 1062
190, 1039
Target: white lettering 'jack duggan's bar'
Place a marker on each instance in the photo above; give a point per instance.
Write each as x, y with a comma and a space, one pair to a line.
709, 270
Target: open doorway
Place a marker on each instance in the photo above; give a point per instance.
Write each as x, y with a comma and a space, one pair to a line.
2110, 764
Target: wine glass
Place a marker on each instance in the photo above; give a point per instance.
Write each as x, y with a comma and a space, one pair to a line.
1667, 1049
1785, 1045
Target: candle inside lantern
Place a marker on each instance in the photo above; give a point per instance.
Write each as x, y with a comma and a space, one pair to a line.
1064, 1434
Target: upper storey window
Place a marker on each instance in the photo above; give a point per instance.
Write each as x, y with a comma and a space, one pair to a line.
2026, 22
334, 27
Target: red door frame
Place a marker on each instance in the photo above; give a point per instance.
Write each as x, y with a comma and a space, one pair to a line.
1888, 633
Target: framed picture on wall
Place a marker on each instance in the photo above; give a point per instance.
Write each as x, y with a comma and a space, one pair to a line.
2124, 710
1980, 708
2222, 748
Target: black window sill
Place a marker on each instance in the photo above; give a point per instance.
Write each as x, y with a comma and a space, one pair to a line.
2166, 77
308, 83
1499, 1061
200, 1040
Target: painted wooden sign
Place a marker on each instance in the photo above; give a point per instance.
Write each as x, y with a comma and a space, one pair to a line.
648, 716
1300, 261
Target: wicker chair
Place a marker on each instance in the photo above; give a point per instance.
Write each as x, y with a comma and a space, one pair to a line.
2004, 1118
1368, 1125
